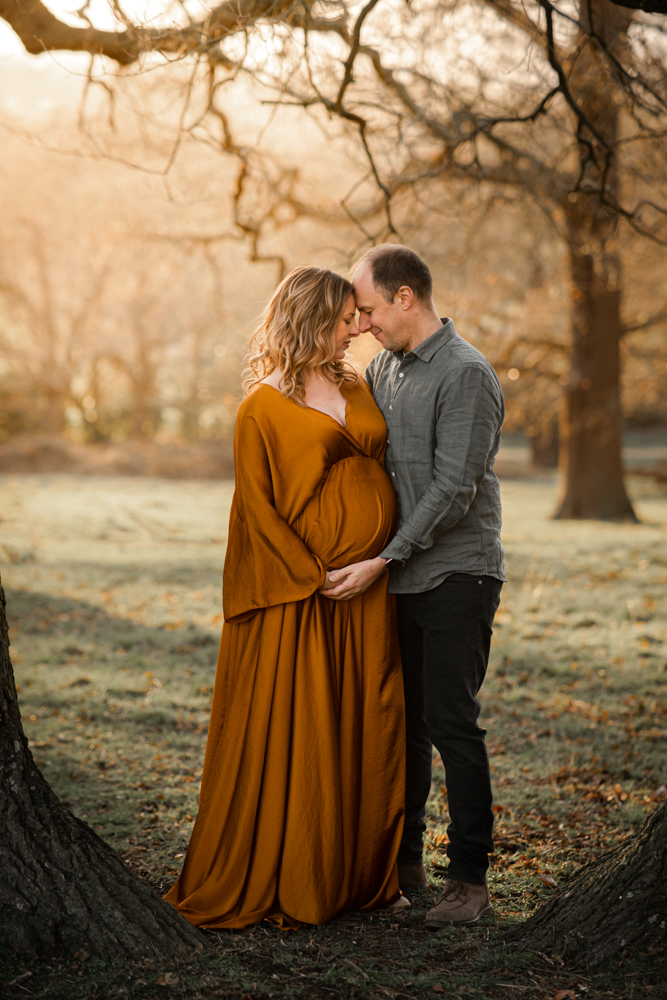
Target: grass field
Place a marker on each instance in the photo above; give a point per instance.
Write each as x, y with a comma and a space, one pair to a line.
113, 591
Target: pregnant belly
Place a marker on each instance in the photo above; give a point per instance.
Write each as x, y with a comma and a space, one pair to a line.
353, 516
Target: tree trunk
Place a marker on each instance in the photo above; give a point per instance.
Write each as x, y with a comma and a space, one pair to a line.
143, 394
618, 903
591, 438
62, 889
53, 417
591, 432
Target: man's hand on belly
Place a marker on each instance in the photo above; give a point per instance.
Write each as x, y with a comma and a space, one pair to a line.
342, 584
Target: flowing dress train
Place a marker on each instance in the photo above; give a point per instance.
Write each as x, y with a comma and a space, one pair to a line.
301, 805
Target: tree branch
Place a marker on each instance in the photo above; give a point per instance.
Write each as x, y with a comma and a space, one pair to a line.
354, 48
518, 17
41, 31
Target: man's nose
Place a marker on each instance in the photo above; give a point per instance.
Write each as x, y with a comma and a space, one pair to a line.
364, 323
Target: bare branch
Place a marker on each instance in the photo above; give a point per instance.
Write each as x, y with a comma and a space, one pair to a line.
354, 48
659, 317
517, 16
41, 31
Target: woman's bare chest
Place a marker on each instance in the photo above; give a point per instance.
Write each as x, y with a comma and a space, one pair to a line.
326, 397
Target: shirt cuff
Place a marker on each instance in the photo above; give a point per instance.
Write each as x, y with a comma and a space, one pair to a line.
399, 549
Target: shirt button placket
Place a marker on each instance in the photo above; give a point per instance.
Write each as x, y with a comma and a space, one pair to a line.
400, 375
391, 407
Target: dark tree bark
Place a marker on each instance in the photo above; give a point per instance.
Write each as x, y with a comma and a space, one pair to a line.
650, 6
62, 889
591, 432
617, 903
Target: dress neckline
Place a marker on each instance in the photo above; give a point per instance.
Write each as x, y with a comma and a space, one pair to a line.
314, 408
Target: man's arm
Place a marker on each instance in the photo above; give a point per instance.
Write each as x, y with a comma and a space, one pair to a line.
470, 414
469, 417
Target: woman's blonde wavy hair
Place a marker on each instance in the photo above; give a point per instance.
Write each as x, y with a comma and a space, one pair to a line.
297, 330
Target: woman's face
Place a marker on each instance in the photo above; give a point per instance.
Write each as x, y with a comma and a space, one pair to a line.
346, 329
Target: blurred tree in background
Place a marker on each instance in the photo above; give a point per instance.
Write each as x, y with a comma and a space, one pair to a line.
518, 145
106, 330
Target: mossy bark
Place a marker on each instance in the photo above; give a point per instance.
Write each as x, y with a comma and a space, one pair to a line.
615, 904
62, 888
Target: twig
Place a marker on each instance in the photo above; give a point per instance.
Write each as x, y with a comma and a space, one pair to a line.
360, 971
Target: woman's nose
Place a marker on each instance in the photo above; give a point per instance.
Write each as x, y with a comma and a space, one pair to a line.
354, 330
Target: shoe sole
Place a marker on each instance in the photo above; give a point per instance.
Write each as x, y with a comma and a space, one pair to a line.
436, 925
402, 903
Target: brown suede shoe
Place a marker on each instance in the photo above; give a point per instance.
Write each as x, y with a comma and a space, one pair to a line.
412, 877
460, 903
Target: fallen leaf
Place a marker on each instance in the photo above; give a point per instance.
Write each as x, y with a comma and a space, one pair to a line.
168, 979
565, 995
548, 880
438, 989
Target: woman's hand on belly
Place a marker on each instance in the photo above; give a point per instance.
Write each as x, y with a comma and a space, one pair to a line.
342, 584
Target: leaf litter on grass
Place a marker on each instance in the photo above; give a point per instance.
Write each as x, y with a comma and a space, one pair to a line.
115, 664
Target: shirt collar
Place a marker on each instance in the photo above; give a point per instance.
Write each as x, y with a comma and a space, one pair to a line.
432, 344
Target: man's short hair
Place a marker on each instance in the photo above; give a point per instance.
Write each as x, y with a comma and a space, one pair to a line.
394, 265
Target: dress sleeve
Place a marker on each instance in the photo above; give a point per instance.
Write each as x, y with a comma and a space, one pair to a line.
266, 563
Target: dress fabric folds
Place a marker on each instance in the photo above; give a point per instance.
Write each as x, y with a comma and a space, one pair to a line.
302, 796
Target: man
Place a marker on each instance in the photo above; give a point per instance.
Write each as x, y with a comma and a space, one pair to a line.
444, 409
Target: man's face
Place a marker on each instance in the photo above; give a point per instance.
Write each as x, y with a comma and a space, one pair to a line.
385, 320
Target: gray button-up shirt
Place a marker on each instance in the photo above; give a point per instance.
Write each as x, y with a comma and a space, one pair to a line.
444, 409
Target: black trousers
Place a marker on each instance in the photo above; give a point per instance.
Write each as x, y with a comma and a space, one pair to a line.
445, 637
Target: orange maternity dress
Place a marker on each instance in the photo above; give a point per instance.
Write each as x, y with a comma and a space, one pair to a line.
301, 803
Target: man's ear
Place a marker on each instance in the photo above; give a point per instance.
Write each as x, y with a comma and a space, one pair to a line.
404, 297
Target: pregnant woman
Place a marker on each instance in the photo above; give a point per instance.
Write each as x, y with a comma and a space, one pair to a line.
301, 804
